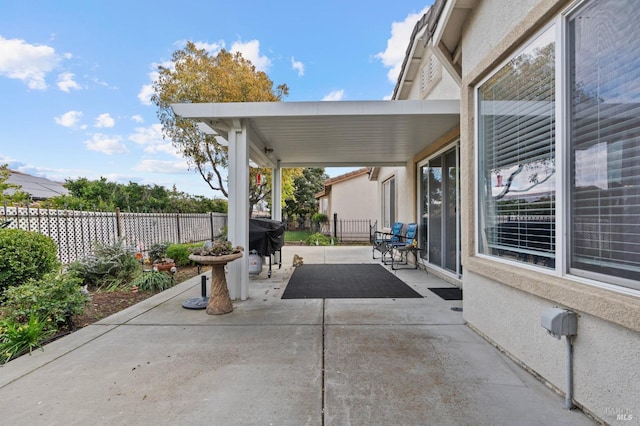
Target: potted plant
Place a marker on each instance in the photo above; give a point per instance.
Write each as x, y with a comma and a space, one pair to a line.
158, 257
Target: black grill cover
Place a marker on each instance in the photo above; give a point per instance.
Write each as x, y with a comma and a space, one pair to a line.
266, 236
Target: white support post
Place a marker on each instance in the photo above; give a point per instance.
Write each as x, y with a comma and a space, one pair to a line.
238, 222
276, 192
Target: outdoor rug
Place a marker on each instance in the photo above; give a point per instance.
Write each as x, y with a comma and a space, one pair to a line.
345, 281
448, 293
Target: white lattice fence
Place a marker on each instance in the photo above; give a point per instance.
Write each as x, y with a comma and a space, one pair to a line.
77, 232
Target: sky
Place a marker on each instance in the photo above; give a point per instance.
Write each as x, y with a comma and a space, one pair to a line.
75, 76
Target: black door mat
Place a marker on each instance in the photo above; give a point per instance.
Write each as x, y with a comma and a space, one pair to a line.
448, 293
345, 281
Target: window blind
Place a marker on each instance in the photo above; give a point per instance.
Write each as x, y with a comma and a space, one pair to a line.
604, 116
517, 157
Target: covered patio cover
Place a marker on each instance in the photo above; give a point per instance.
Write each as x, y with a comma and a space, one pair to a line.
313, 134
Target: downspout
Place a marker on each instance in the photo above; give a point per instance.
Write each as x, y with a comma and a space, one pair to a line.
568, 399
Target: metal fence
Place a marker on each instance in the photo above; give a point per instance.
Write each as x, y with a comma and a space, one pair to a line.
76, 232
345, 230
351, 230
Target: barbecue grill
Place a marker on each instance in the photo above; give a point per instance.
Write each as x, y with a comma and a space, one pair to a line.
266, 237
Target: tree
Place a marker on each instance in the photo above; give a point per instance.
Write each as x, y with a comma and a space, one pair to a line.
16, 194
104, 195
195, 77
303, 204
262, 192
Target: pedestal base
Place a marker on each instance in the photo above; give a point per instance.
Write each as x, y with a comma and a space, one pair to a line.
196, 303
219, 301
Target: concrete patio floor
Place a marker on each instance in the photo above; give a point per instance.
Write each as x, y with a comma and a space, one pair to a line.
280, 362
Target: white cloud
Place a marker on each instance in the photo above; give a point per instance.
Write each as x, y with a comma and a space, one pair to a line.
335, 95
397, 44
137, 118
251, 51
145, 94
151, 138
211, 48
158, 166
27, 62
69, 119
104, 121
106, 144
66, 82
297, 66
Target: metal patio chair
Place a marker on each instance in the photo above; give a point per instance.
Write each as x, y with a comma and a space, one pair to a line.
381, 239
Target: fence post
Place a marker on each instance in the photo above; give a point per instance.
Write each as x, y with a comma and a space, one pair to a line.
212, 226
335, 226
178, 227
118, 224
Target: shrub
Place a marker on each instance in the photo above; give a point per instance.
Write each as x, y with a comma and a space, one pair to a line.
158, 251
319, 239
152, 281
319, 218
109, 268
55, 298
180, 254
17, 338
25, 255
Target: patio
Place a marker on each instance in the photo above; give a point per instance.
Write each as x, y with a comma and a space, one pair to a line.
286, 362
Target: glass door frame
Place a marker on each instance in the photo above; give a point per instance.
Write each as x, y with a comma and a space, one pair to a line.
420, 204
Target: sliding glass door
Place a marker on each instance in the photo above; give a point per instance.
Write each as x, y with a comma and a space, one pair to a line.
439, 200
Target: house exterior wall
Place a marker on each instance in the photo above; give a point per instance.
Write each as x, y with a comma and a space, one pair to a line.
355, 198
405, 192
504, 302
444, 86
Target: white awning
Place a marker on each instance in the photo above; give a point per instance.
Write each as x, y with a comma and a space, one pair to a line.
331, 134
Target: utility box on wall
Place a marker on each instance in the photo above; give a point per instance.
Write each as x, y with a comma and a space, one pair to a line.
560, 322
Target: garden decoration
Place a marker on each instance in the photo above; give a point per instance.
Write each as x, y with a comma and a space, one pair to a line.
217, 254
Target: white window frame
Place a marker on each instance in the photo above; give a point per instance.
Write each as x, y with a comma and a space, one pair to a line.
562, 155
386, 212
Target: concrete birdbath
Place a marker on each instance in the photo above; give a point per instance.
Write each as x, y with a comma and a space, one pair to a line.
219, 300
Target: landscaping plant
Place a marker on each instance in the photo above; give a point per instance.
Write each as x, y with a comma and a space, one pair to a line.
110, 267
25, 255
180, 253
319, 239
152, 281
18, 338
55, 298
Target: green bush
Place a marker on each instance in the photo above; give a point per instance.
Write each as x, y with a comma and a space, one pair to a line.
152, 281
55, 298
25, 255
180, 254
110, 267
319, 218
19, 338
158, 251
319, 239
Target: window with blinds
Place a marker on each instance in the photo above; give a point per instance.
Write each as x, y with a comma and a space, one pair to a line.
604, 132
516, 123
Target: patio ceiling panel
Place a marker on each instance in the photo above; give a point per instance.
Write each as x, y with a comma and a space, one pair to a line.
326, 134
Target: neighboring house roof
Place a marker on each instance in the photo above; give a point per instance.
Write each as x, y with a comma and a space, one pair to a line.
341, 178
38, 187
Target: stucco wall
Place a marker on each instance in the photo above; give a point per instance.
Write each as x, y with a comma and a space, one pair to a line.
405, 192
445, 88
487, 26
505, 302
356, 198
606, 373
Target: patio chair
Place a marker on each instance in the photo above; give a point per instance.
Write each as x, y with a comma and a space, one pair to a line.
402, 245
381, 238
